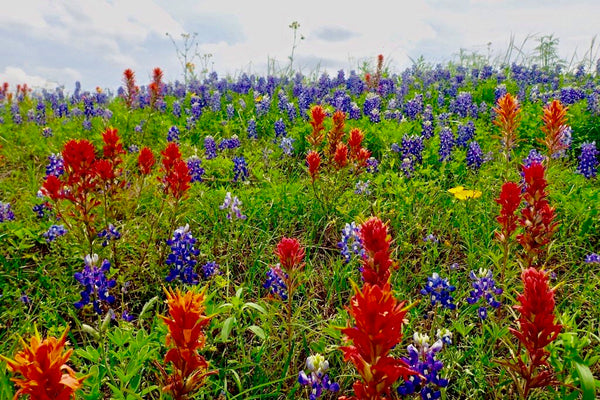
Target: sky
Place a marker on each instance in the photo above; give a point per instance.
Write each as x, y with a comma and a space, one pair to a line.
49, 43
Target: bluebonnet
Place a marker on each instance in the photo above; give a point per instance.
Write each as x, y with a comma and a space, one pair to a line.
86, 124
565, 140
474, 155
431, 238
287, 145
372, 165
47, 132
569, 95
262, 105
422, 359
109, 234
240, 169
194, 164
16, 114
215, 101
24, 298
372, 102
230, 109
414, 107
588, 160
54, 232
427, 129
444, 335
533, 157
412, 146
500, 91
484, 286
280, 128
177, 109
354, 111
41, 209
242, 104
232, 204
209, 269
362, 187
465, 133
252, 129
446, 144
375, 116
231, 143
139, 127
210, 148
275, 282
291, 111
6, 213
439, 290
182, 256
462, 104
173, 134
592, 258
351, 243
56, 165
133, 148
126, 316
96, 285
317, 379
408, 166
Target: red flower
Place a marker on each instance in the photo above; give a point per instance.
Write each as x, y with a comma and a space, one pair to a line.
317, 117
314, 162
335, 135
146, 161
79, 157
53, 187
104, 170
537, 329
555, 123
341, 155
355, 141
378, 318
185, 323
290, 253
170, 154
509, 200
537, 217
131, 90
178, 179
508, 117
156, 87
112, 145
376, 242
362, 156
44, 371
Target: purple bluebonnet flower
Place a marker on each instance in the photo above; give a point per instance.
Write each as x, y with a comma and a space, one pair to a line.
354, 111
230, 109
280, 128
484, 286
500, 91
533, 157
427, 129
412, 146
86, 124
355, 84
126, 316
462, 104
431, 238
414, 107
465, 133
262, 105
133, 148
47, 132
24, 298
232, 204
275, 282
6, 213
56, 165
240, 169
422, 359
177, 109
362, 187
54, 232
317, 379
565, 140
372, 165
588, 160
290, 108
139, 127
252, 129
109, 234
446, 144
209, 269
231, 143
592, 258
215, 101
372, 106
242, 104
439, 290
182, 257
173, 134
287, 145
444, 335
351, 243
210, 148
474, 156
96, 285
194, 164
41, 209
569, 95
408, 166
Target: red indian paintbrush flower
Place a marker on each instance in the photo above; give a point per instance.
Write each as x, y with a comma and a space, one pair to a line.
79, 157
335, 135
44, 373
536, 330
355, 141
376, 242
378, 320
509, 200
362, 157
555, 123
53, 187
146, 160
313, 159
341, 155
112, 145
317, 117
177, 175
131, 90
185, 323
537, 217
508, 117
290, 253
156, 87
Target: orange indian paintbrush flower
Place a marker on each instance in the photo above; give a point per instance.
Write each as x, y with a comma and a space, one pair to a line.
508, 117
44, 373
555, 124
317, 117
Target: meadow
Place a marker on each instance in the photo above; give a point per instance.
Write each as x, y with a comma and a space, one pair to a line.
367, 235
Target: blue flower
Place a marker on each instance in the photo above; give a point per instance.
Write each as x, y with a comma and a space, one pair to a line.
6, 213
209, 269
317, 380
210, 147
484, 287
438, 290
275, 282
252, 129
446, 144
173, 134
109, 234
351, 242
182, 257
287, 145
592, 258
194, 165
280, 128
588, 160
240, 169
232, 204
96, 285
362, 187
54, 232
474, 156
465, 133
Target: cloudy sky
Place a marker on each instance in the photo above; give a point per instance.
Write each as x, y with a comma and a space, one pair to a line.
45, 43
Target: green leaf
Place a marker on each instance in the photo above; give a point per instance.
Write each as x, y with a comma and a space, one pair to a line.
227, 327
586, 379
257, 307
258, 331
147, 307
88, 329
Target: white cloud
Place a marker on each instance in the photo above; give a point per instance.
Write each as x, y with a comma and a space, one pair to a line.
16, 76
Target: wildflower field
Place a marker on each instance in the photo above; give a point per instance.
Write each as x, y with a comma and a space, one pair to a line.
367, 235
